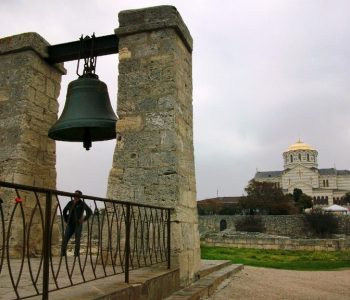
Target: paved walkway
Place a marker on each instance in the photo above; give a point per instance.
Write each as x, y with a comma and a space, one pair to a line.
268, 284
250, 283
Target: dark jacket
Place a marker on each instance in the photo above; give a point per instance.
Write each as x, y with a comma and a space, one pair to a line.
73, 212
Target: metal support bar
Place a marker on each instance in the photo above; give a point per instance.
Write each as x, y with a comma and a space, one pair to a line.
47, 246
67, 194
127, 243
169, 238
103, 45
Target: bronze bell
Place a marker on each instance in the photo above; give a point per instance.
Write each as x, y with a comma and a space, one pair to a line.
87, 115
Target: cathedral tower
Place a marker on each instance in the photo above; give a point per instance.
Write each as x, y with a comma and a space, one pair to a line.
300, 154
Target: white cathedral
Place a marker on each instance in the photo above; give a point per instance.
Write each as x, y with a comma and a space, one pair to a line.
325, 186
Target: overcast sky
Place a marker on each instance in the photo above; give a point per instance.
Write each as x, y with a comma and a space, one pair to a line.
265, 74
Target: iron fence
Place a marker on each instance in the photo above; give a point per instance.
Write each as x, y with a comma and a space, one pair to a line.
117, 237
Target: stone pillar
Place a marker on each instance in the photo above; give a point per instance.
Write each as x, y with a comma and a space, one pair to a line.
153, 159
29, 88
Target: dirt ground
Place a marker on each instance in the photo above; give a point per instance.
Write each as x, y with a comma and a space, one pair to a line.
262, 283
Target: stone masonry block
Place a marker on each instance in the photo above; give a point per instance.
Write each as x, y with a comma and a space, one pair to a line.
185, 215
130, 123
160, 121
168, 139
162, 195
4, 94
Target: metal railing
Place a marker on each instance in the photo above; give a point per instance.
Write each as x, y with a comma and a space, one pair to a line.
118, 237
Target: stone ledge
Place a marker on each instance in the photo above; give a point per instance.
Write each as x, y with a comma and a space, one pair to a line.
28, 41
209, 266
277, 242
153, 18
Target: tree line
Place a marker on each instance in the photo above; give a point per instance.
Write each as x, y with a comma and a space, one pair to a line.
262, 198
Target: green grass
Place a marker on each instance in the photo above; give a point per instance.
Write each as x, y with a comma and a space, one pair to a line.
280, 259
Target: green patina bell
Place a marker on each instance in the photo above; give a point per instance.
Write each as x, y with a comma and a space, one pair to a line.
87, 115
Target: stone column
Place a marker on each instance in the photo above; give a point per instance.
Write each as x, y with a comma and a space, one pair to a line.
29, 88
153, 159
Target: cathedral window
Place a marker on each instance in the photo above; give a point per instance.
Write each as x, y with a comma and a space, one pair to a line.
299, 156
308, 157
324, 183
291, 158
327, 183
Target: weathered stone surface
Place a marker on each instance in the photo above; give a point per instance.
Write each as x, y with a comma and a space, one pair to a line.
153, 161
27, 41
284, 225
131, 123
29, 88
155, 19
255, 240
4, 94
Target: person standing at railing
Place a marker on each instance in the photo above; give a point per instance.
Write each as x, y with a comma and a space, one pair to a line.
73, 215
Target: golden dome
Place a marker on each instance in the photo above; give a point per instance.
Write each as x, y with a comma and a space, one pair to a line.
299, 145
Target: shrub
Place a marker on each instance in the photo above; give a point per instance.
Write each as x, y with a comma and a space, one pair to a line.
322, 224
266, 198
302, 201
250, 224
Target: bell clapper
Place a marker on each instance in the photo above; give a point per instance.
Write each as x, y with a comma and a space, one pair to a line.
87, 139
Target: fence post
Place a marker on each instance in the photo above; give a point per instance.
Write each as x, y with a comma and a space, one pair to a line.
127, 243
47, 246
169, 241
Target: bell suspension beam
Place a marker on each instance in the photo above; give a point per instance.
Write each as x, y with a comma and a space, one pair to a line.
103, 45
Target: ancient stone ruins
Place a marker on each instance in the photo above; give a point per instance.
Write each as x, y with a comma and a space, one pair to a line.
153, 160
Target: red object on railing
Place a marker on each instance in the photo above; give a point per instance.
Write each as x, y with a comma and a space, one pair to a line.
19, 200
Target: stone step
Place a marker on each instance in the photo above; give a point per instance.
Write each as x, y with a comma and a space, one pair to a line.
208, 266
206, 286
